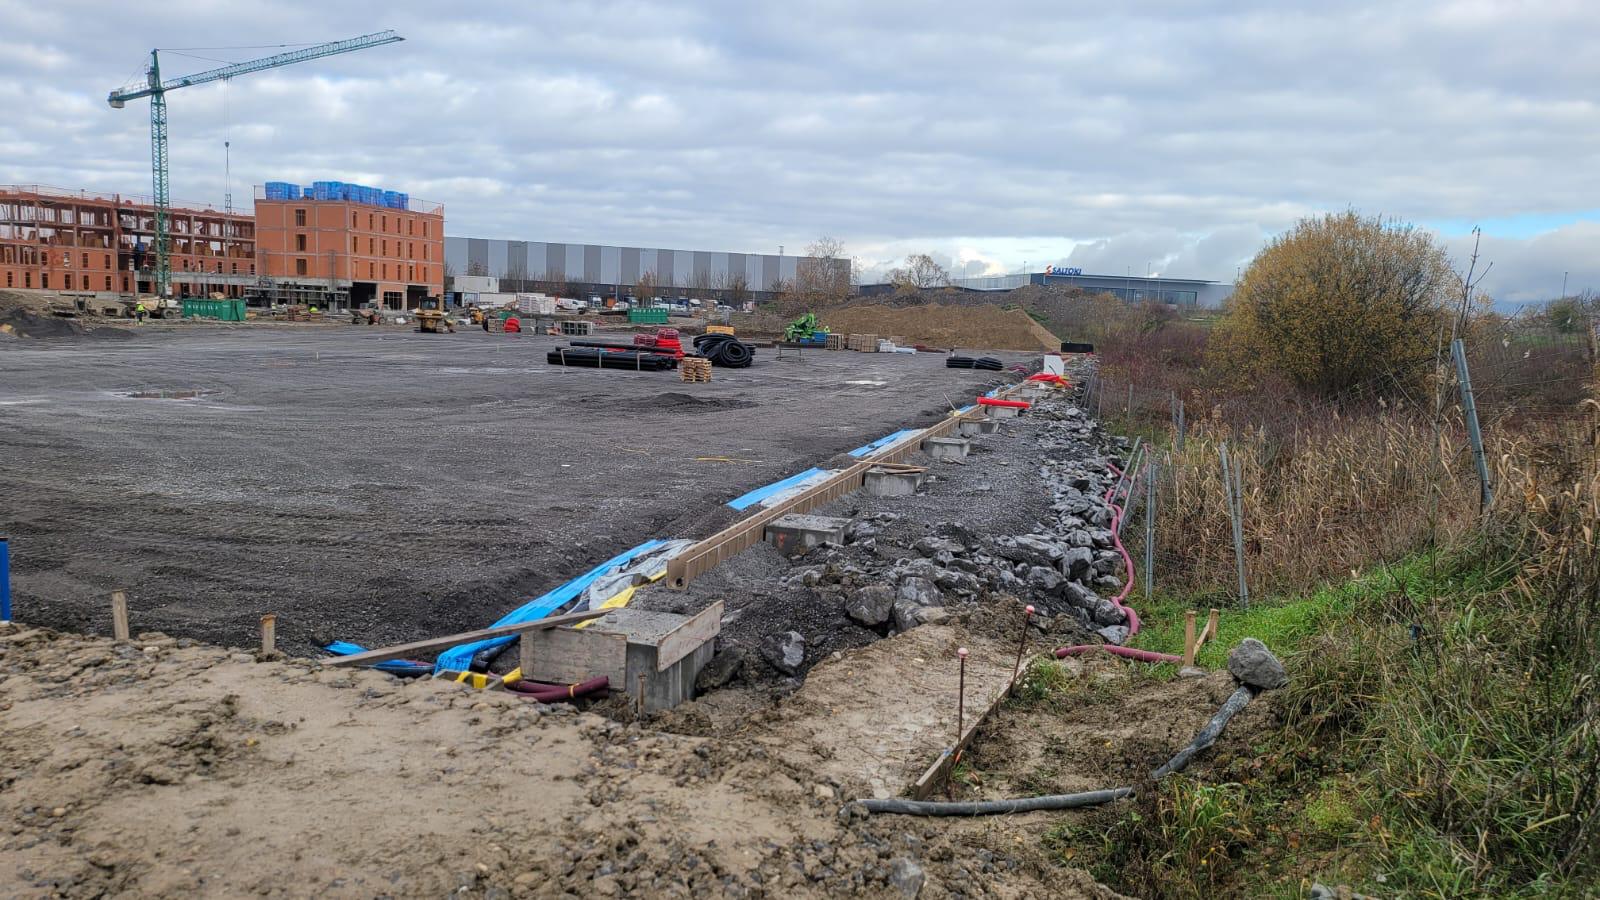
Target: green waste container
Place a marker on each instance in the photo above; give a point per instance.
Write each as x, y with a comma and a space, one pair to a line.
225, 310
652, 316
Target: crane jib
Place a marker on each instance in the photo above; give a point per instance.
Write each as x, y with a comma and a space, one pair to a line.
156, 90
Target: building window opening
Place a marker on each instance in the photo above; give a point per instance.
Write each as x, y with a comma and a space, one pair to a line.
300, 218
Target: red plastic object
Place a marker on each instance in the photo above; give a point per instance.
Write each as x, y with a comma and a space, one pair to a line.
1047, 378
513, 324
994, 401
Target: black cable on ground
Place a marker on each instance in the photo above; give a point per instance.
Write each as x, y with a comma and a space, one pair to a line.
993, 807
584, 357
1208, 735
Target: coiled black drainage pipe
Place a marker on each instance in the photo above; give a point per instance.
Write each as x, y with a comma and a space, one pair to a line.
993, 807
725, 350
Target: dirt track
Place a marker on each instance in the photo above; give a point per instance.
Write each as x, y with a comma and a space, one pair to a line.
378, 485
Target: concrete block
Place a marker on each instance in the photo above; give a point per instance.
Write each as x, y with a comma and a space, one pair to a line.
795, 534
940, 448
1002, 412
974, 427
891, 482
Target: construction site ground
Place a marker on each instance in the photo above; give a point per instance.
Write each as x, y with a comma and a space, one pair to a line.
380, 485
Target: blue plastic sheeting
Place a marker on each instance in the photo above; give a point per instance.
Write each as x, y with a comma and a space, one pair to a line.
460, 658
882, 442
397, 666
744, 501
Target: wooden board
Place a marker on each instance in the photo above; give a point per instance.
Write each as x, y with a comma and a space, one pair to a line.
570, 655
401, 651
688, 637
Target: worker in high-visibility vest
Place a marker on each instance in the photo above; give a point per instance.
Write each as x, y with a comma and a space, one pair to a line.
139, 312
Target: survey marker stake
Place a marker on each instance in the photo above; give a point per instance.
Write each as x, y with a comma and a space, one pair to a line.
961, 699
1022, 643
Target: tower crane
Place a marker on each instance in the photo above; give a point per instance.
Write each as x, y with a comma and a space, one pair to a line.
156, 90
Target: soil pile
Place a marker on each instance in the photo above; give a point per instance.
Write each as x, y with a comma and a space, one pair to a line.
987, 327
19, 321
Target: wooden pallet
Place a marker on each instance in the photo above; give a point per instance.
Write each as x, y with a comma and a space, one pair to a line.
694, 370
864, 343
835, 342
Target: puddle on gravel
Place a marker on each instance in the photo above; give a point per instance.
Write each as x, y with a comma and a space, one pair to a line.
194, 394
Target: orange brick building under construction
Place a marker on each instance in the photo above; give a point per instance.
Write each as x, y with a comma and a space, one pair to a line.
329, 253
351, 252
83, 242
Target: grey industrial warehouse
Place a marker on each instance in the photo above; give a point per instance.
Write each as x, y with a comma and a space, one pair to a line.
600, 269
1175, 291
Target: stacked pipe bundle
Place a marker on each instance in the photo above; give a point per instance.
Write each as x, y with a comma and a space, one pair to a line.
725, 350
601, 358
967, 362
665, 340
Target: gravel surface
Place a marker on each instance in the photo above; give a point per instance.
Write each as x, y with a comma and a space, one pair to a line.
950, 551
378, 485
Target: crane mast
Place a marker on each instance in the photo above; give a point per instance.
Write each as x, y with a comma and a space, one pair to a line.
156, 90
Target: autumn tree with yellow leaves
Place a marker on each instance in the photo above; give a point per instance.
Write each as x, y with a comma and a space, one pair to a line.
1341, 304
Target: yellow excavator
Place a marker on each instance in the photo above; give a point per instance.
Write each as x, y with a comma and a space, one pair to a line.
431, 317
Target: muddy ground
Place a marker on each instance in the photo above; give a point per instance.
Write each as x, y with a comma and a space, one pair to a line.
377, 485
160, 767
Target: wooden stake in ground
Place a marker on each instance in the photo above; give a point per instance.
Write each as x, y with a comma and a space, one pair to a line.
1188, 638
119, 615
269, 633
961, 699
1022, 644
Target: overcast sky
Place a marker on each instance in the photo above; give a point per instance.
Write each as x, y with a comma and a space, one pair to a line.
1120, 137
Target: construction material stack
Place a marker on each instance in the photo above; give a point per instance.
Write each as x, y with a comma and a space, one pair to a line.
695, 369
865, 343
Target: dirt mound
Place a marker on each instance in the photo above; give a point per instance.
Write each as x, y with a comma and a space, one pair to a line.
987, 327
679, 402
17, 321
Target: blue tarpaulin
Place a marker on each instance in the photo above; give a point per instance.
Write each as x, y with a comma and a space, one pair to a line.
744, 501
883, 442
396, 666
460, 658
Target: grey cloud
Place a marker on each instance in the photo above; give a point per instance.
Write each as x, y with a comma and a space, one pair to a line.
1174, 133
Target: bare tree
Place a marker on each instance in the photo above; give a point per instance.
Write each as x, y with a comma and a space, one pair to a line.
449, 276
822, 276
700, 285
516, 277
919, 274
645, 288
738, 288
477, 269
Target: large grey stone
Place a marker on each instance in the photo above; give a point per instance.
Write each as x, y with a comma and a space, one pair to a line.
920, 591
871, 606
906, 876
723, 669
909, 614
1043, 580
1114, 634
1076, 561
1107, 613
786, 651
1253, 664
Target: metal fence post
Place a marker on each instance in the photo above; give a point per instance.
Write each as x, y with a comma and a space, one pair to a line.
1469, 406
1150, 528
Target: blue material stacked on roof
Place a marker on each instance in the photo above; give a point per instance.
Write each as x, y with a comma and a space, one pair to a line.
338, 190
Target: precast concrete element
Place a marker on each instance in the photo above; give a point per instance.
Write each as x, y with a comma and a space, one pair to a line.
943, 448
881, 481
796, 533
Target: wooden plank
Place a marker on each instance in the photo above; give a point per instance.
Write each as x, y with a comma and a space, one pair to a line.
688, 637
570, 655
269, 633
940, 770
400, 651
119, 615
1210, 632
